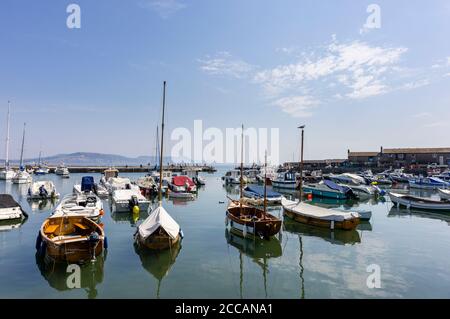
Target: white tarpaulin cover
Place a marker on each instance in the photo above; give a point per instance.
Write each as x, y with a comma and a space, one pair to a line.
159, 218
309, 210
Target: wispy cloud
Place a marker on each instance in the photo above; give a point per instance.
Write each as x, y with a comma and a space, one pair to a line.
422, 115
437, 124
164, 8
223, 63
297, 106
351, 70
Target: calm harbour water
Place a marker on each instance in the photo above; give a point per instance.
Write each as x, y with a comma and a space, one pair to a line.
411, 248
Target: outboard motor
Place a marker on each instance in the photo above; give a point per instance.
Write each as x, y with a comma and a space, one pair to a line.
93, 240
134, 204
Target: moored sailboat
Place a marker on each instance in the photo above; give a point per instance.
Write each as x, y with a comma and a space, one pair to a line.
7, 173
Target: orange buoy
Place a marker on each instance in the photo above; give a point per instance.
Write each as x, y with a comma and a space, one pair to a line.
102, 212
309, 196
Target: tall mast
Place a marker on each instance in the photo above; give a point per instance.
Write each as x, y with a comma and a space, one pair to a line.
23, 143
7, 137
157, 147
301, 164
162, 145
265, 184
242, 170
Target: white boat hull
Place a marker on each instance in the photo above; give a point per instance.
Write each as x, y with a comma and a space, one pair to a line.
418, 202
6, 175
10, 213
444, 193
124, 206
284, 185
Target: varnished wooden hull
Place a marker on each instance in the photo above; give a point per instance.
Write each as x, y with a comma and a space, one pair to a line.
248, 227
70, 250
349, 224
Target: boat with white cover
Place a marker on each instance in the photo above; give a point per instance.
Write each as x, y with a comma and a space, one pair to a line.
410, 201
9, 208
116, 183
84, 205
42, 190
129, 200
318, 216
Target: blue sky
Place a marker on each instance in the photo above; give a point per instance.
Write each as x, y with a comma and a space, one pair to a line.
273, 64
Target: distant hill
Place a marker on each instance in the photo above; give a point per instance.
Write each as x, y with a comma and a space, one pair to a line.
96, 159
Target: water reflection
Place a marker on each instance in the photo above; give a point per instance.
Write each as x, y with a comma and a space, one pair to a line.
259, 250
158, 263
43, 204
57, 276
403, 212
336, 237
8, 225
232, 189
128, 217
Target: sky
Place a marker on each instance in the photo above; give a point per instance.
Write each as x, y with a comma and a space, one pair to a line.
357, 82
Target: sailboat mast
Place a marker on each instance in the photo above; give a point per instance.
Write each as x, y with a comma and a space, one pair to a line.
7, 137
242, 169
265, 184
162, 145
23, 143
157, 147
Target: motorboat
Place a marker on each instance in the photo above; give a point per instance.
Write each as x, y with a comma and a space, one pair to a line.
147, 185
445, 176
364, 191
129, 200
116, 183
7, 173
71, 239
107, 174
329, 189
428, 183
9, 208
285, 180
444, 193
85, 205
251, 175
41, 170
410, 201
347, 178
256, 192
234, 177
182, 184
62, 170
88, 186
22, 177
398, 176
42, 190
318, 216
194, 175
270, 172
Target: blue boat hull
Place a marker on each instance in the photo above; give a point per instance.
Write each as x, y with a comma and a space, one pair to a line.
325, 194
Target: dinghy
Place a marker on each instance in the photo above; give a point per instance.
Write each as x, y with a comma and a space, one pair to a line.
42, 190
72, 239
444, 193
410, 201
82, 205
318, 216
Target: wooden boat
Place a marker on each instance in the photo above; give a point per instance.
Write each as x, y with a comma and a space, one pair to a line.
71, 239
410, 201
248, 220
444, 193
159, 230
322, 217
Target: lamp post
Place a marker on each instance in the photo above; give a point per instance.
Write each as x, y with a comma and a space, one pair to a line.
302, 127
